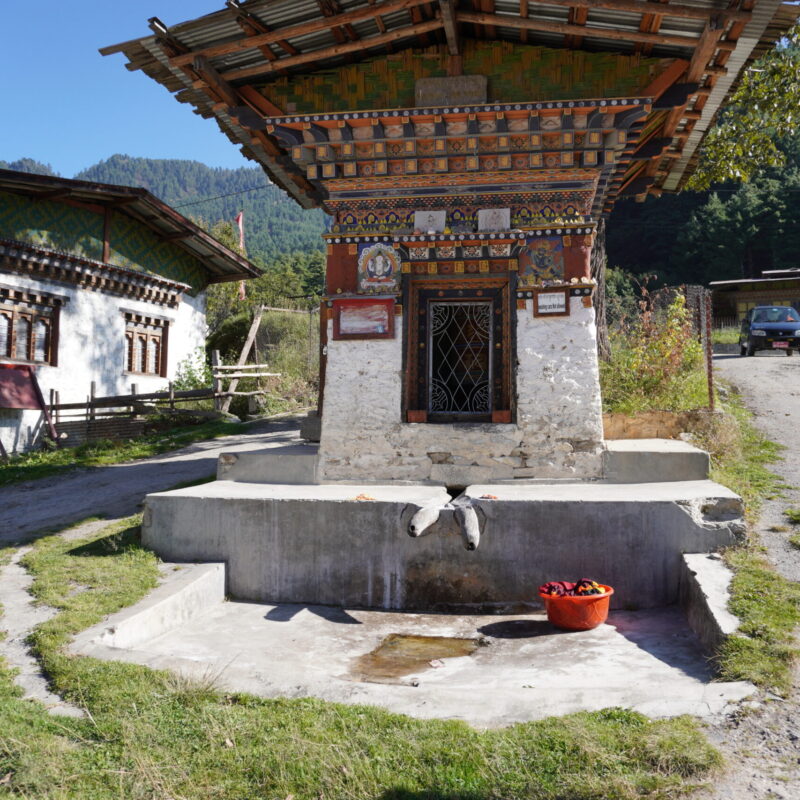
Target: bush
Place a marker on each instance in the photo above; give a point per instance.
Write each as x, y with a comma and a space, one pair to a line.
656, 363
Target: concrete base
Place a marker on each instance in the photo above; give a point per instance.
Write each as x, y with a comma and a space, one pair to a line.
292, 464
347, 545
704, 594
524, 670
311, 427
653, 460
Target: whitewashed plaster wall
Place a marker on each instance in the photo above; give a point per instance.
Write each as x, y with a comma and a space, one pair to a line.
92, 348
558, 431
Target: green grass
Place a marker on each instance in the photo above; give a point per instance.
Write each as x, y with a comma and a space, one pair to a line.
768, 607
793, 515
45, 463
725, 336
794, 540
152, 735
741, 456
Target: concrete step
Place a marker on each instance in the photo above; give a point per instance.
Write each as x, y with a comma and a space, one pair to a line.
291, 464
185, 592
348, 545
653, 461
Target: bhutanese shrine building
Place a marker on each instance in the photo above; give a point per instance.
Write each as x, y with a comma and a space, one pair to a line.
467, 152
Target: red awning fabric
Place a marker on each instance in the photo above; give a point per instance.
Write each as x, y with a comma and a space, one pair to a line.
17, 388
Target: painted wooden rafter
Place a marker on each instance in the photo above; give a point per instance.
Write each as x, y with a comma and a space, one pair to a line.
252, 26
644, 7
447, 8
336, 50
565, 29
321, 24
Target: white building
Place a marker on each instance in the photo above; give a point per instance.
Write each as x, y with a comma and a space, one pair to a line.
98, 284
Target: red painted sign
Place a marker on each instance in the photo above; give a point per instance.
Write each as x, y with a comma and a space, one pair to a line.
17, 389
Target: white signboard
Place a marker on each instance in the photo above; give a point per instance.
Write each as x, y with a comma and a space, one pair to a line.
552, 304
494, 219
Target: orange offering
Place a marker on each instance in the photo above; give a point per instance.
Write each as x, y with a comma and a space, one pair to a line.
578, 613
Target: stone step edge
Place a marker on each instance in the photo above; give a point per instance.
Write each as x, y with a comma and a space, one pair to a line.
185, 592
703, 594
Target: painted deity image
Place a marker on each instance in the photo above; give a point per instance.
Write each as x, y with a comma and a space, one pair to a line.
541, 260
378, 267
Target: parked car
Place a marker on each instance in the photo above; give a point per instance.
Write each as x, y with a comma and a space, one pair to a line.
770, 328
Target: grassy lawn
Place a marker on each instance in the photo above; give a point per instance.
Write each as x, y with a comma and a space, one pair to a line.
44, 463
658, 367
152, 735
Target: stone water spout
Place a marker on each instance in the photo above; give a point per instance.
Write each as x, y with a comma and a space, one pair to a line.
460, 511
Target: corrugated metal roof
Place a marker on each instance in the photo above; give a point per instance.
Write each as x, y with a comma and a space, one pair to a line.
678, 36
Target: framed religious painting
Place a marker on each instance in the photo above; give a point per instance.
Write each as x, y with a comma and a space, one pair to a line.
541, 259
363, 318
378, 268
551, 303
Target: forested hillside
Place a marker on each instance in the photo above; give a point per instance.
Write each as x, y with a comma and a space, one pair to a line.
275, 225
732, 231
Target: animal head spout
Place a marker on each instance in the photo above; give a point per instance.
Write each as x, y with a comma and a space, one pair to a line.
422, 522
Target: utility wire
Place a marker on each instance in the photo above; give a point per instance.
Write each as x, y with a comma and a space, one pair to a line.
219, 196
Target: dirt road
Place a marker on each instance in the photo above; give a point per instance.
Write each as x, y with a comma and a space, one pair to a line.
762, 743
118, 491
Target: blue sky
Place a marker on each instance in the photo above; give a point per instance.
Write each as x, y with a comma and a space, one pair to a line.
66, 105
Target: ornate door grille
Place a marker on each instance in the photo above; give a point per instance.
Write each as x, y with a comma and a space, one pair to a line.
459, 350
460, 363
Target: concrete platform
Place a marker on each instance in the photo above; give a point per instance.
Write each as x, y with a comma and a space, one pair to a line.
653, 460
348, 546
522, 668
290, 464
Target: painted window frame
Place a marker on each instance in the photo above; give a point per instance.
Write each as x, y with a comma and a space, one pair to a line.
18, 307
150, 332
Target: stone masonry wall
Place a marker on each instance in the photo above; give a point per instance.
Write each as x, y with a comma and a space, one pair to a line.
557, 434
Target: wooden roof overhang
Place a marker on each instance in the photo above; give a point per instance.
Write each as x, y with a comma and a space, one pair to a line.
38, 261
583, 146
215, 62
138, 204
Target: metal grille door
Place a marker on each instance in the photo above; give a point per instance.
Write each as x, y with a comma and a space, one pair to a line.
460, 364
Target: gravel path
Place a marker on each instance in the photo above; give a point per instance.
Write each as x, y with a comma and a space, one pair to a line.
118, 490
113, 492
761, 741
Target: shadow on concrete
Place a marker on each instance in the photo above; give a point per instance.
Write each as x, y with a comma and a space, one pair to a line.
31, 508
287, 612
519, 629
665, 635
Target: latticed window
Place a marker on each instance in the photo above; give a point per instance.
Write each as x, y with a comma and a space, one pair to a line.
28, 327
145, 345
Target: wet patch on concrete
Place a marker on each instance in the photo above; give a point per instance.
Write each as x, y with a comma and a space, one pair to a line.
401, 654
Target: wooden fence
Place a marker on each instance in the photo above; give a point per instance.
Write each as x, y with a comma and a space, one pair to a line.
123, 416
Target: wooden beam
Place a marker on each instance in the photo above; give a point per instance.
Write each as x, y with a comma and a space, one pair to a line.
644, 7
259, 103
523, 12
706, 47
577, 16
447, 8
251, 337
666, 79
302, 29
565, 29
378, 21
336, 50
208, 75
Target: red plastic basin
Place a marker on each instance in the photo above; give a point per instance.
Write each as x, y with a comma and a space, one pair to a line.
578, 613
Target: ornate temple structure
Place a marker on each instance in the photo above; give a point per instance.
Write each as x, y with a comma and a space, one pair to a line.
467, 152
